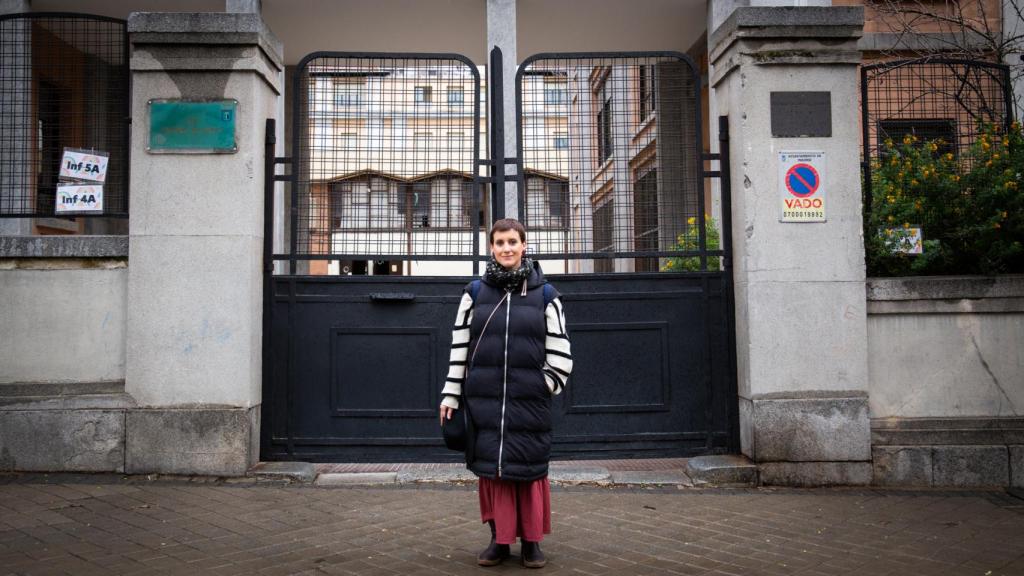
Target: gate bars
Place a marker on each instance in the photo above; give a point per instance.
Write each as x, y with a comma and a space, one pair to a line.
610, 160
386, 149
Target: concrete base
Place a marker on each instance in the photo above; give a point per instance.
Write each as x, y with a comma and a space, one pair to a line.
578, 474
356, 478
218, 442
902, 465
970, 466
96, 427
815, 473
62, 440
948, 452
807, 427
1016, 466
63, 427
727, 469
299, 471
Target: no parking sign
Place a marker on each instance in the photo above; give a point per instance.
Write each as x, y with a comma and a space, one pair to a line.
801, 186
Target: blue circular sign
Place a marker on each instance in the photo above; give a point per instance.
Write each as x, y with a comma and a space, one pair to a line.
802, 180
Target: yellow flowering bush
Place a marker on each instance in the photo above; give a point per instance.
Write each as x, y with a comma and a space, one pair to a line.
689, 241
970, 209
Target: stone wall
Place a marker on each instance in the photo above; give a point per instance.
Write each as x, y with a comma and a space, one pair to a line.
63, 405
62, 318
946, 367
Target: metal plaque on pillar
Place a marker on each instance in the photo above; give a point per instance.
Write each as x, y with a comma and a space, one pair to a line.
179, 126
801, 114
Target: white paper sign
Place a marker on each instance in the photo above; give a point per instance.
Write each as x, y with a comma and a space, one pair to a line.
906, 240
79, 198
84, 165
802, 186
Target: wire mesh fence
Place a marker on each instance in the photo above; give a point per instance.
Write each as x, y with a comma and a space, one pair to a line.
387, 151
64, 83
388, 170
943, 101
610, 148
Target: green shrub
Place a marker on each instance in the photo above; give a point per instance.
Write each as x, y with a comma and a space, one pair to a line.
970, 210
689, 241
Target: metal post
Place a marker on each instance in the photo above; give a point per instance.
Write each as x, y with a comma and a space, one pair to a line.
269, 164
497, 113
725, 184
866, 144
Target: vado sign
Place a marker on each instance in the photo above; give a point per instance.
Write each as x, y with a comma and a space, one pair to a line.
802, 186
84, 165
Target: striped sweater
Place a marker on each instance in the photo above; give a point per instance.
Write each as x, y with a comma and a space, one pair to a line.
557, 352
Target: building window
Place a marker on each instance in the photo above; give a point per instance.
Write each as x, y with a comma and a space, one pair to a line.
348, 141
422, 94
421, 140
645, 217
926, 130
603, 237
547, 202
418, 204
648, 90
558, 203
365, 202
455, 95
555, 94
561, 140
604, 136
348, 94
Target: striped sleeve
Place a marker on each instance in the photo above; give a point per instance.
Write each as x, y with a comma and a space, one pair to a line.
460, 348
557, 353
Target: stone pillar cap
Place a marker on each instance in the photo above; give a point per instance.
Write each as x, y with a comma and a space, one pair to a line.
793, 22
205, 28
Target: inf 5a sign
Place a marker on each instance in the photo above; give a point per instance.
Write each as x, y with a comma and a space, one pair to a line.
802, 186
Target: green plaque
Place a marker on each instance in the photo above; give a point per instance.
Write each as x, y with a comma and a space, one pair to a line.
192, 126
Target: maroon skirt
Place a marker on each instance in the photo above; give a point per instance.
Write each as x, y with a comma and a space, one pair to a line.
519, 509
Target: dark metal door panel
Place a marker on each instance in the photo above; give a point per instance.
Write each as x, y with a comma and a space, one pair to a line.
366, 365
643, 377
362, 374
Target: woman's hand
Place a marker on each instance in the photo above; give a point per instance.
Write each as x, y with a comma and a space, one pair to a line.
446, 414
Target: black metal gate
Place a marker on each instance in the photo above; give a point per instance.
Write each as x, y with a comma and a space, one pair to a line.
388, 220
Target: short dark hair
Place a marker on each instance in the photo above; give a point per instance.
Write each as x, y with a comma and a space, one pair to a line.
506, 224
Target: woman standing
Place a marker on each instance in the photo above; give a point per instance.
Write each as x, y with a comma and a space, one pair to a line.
510, 333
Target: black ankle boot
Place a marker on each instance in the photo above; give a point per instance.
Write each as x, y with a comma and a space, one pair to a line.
495, 553
531, 555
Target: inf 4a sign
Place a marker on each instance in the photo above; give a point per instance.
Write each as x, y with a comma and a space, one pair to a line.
802, 186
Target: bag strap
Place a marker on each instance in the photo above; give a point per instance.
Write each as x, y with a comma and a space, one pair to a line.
549, 294
474, 289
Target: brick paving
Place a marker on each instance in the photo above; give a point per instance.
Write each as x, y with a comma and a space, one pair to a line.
86, 525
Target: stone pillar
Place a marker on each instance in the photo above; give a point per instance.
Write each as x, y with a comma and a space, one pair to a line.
501, 32
800, 297
194, 287
16, 130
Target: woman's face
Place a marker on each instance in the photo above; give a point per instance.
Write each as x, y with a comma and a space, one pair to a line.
508, 249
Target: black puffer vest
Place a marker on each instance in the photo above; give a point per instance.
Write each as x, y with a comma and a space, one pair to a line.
508, 399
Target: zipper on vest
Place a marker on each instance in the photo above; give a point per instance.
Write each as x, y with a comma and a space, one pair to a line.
504, 386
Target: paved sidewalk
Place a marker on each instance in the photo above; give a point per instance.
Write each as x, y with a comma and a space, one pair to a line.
87, 525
